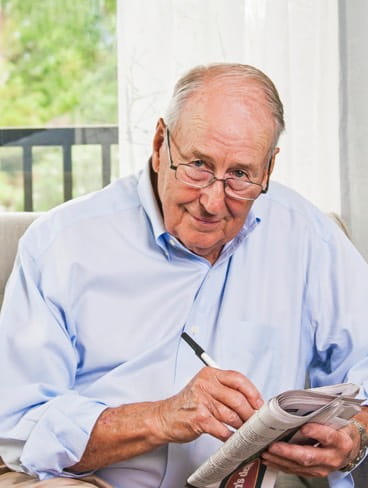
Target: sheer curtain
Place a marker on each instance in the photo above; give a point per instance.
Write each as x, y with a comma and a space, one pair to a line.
159, 40
309, 49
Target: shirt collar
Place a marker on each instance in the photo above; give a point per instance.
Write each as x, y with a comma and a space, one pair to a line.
251, 222
149, 203
164, 238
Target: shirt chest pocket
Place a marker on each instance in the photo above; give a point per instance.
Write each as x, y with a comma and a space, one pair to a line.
255, 349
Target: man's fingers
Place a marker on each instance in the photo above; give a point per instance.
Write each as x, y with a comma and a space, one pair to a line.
291, 453
236, 382
213, 402
300, 460
239, 382
217, 429
340, 446
324, 435
226, 415
280, 464
235, 403
333, 450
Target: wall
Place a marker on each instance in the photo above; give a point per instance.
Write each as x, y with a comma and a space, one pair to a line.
354, 119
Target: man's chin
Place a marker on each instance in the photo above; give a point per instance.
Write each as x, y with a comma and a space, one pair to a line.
209, 251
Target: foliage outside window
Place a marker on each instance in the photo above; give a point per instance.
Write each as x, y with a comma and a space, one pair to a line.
57, 69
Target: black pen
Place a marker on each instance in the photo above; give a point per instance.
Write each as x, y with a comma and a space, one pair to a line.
201, 353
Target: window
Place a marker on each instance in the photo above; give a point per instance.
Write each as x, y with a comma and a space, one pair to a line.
58, 100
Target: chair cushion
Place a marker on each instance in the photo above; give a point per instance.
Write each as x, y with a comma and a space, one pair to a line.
12, 226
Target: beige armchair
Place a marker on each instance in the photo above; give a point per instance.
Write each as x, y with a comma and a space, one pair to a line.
12, 227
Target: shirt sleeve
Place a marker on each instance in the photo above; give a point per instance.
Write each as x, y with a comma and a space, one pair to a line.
45, 423
338, 311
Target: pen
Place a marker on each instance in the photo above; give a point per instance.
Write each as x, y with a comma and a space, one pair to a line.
201, 353
203, 356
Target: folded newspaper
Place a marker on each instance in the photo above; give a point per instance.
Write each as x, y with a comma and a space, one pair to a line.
236, 464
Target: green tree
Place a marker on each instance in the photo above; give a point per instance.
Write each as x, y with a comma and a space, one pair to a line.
57, 67
57, 62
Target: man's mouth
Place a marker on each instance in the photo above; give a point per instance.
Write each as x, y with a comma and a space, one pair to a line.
207, 221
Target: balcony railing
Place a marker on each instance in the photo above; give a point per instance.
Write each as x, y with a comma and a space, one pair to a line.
64, 137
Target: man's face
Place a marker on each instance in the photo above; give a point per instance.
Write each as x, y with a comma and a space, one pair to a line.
226, 132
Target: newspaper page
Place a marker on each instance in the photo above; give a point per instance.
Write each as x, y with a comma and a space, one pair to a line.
236, 464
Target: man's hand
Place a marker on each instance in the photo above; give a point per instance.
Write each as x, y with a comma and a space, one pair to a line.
213, 400
335, 449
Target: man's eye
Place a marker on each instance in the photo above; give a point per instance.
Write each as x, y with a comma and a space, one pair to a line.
198, 164
239, 173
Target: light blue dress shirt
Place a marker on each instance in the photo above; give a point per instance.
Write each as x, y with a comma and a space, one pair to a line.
100, 294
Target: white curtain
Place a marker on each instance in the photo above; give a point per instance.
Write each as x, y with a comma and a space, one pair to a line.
158, 41
298, 43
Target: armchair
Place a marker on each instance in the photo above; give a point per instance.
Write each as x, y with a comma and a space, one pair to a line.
12, 227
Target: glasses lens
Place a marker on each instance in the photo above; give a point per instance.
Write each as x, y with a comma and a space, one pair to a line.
191, 175
201, 178
242, 189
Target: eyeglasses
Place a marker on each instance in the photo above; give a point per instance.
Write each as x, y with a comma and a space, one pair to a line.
196, 175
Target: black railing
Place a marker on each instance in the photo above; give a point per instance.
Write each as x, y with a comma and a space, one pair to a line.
64, 137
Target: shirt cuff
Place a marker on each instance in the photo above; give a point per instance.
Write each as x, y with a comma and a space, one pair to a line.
60, 436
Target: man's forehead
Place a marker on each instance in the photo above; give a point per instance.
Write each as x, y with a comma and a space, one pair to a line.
214, 106
248, 93
225, 118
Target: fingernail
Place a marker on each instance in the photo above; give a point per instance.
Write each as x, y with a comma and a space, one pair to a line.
259, 403
272, 449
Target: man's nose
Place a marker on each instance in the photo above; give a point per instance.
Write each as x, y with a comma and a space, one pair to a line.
212, 198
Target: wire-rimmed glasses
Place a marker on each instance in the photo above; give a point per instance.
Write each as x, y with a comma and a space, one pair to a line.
236, 186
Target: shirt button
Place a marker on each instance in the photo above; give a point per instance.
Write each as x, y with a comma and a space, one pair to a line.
172, 242
194, 330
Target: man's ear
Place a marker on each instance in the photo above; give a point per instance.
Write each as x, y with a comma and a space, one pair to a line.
273, 159
158, 140
269, 169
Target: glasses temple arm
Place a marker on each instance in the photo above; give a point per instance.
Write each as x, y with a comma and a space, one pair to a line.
265, 189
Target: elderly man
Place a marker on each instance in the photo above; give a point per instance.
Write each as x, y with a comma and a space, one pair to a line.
96, 378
